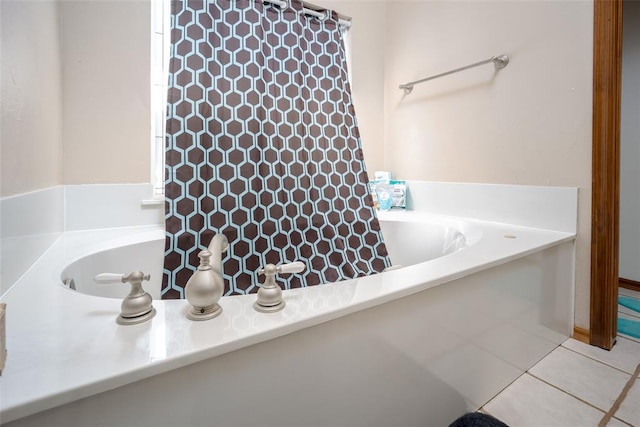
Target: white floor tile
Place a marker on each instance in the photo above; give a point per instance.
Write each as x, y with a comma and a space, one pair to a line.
582, 377
531, 402
625, 355
616, 423
629, 411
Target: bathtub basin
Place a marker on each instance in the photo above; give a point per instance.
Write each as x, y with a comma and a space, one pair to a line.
431, 237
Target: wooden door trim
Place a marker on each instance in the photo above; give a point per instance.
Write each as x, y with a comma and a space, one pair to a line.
633, 285
581, 334
607, 65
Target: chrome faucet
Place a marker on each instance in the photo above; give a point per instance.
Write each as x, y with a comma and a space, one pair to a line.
137, 307
270, 295
206, 286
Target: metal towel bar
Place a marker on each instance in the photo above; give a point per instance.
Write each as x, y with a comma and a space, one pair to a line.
499, 62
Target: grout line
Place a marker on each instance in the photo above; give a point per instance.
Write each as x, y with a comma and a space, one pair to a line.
484, 411
498, 393
599, 361
518, 368
623, 394
566, 392
623, 422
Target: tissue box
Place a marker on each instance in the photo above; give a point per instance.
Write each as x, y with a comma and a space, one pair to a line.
391, 195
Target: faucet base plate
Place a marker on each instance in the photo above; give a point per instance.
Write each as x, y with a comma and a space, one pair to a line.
121, 320
204, 313
269, 308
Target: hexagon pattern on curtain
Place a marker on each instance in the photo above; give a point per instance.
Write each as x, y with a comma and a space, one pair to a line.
263, 146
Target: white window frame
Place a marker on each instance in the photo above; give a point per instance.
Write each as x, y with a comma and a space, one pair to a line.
160, 44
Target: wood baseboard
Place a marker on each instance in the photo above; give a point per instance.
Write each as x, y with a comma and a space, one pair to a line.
629, 284
581, 334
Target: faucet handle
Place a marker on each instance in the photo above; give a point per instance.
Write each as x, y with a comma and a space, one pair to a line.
110, 278
270, 295
137, 307
292, 267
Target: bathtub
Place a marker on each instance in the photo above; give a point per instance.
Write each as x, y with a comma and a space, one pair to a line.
417, 345
432, 237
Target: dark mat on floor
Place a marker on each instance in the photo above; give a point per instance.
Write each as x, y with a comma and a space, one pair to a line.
477, 419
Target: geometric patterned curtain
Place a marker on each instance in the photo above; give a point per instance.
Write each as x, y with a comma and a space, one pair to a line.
263, 146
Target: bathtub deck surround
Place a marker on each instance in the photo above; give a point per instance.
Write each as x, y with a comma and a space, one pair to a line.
549, 208
29, 224
497, 307
32, 222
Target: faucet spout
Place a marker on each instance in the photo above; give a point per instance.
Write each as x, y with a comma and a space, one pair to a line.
217, 246
206, 286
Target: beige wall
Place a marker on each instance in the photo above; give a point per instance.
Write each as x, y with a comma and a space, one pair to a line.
367, 43
529, 124
106, 84
30, 97
75, 100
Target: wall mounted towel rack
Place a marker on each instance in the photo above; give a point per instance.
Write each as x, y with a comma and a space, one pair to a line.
499, 62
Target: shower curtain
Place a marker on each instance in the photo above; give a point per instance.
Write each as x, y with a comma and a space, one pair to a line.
263, 146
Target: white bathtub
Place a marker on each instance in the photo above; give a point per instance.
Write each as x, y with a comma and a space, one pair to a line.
433, 238
419, 345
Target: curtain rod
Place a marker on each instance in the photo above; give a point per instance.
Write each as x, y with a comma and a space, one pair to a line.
313, 10
499, 62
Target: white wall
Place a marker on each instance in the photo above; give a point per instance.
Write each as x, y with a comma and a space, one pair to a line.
106, 81
30, 98
529, 124
630, 145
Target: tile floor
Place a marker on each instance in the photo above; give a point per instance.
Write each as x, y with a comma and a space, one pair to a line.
577, 385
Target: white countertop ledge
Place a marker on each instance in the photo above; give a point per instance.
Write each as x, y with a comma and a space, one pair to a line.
64, 346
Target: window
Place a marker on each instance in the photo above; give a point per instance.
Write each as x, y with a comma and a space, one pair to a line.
160, 43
